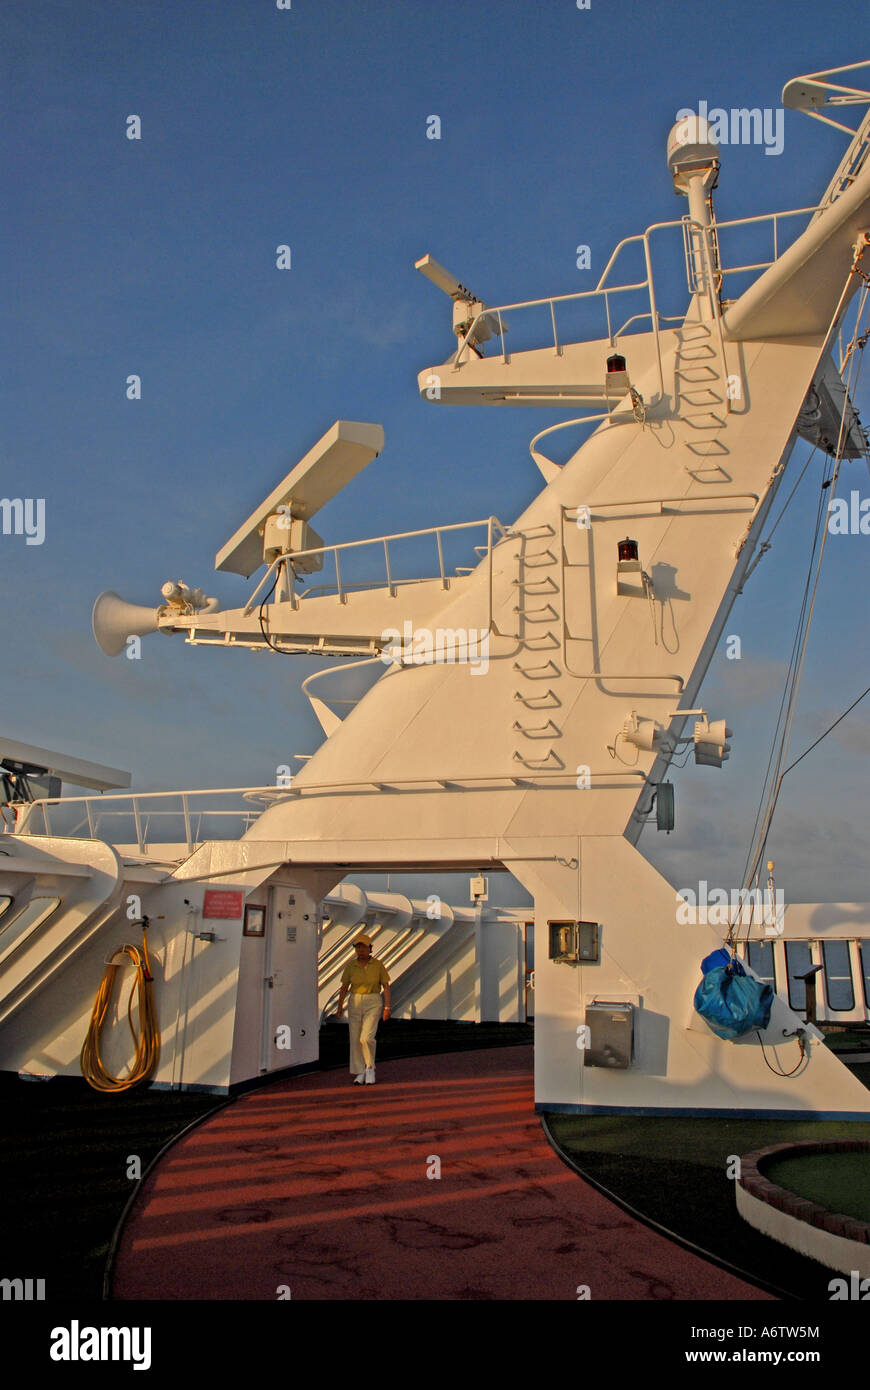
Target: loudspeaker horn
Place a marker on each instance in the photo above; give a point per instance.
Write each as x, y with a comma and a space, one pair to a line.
114, 620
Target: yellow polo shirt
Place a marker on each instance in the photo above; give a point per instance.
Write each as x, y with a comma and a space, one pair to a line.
365, 979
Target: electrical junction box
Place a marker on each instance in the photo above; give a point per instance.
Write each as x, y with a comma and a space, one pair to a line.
575, 943
611, 1036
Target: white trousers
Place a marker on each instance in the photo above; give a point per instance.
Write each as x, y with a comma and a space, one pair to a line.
363, 1016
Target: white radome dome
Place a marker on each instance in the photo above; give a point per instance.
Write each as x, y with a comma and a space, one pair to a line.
691, 140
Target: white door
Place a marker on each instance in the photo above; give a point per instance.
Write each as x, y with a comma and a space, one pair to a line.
290, 1014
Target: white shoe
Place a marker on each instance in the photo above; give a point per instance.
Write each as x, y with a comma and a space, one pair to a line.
358, 1080
370, 1076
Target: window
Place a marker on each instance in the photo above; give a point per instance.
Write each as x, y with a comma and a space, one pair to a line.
839, 991
865, 970
23, 923
798, 959
759, 957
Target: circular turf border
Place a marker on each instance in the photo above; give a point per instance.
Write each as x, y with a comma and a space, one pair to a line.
834, 1239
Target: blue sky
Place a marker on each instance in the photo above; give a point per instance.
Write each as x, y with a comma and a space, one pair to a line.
307, 127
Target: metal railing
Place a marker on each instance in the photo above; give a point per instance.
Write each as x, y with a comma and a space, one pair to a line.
340, 588
603, 292
59, 817
137, 818
773, 217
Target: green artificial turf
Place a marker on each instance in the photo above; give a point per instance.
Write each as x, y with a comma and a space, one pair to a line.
674, 1172
839, 1182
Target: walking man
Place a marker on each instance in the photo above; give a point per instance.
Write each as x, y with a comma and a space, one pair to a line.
364, 978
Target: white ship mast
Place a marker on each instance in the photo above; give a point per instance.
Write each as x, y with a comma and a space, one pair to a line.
527, 709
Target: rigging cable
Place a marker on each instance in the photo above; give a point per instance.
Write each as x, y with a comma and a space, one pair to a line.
266, 638
773, 779
777, 1071
800, 1039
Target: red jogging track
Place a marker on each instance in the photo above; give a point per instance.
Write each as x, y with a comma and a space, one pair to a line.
319, 1188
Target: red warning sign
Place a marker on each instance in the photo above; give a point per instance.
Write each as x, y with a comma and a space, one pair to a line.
225, 903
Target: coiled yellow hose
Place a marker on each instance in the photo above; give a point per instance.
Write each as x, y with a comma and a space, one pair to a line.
147, 1040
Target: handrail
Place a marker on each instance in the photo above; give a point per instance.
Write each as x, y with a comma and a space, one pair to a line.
491, 522
335, 671
446, 781
603, 290
762, 217
443, 783
102, 797
662, 501
143, 815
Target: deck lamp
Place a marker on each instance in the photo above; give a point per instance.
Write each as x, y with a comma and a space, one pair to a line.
631, 579
616, 378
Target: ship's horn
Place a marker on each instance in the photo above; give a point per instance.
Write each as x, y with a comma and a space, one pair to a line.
114, 621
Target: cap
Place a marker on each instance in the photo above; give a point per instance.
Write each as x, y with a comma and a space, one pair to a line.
362, 939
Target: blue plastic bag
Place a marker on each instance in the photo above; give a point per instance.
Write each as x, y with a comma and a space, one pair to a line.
732, 1004
721, 957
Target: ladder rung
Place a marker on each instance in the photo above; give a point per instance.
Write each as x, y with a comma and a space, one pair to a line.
547, 585
548, 730
538, 673
551, 758
547, 614
706, 420
707, 448
546, 641
548, 701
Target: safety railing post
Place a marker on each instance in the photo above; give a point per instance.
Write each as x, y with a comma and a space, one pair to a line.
444, 584
489, 534
654, 313
389, 572
555, 333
